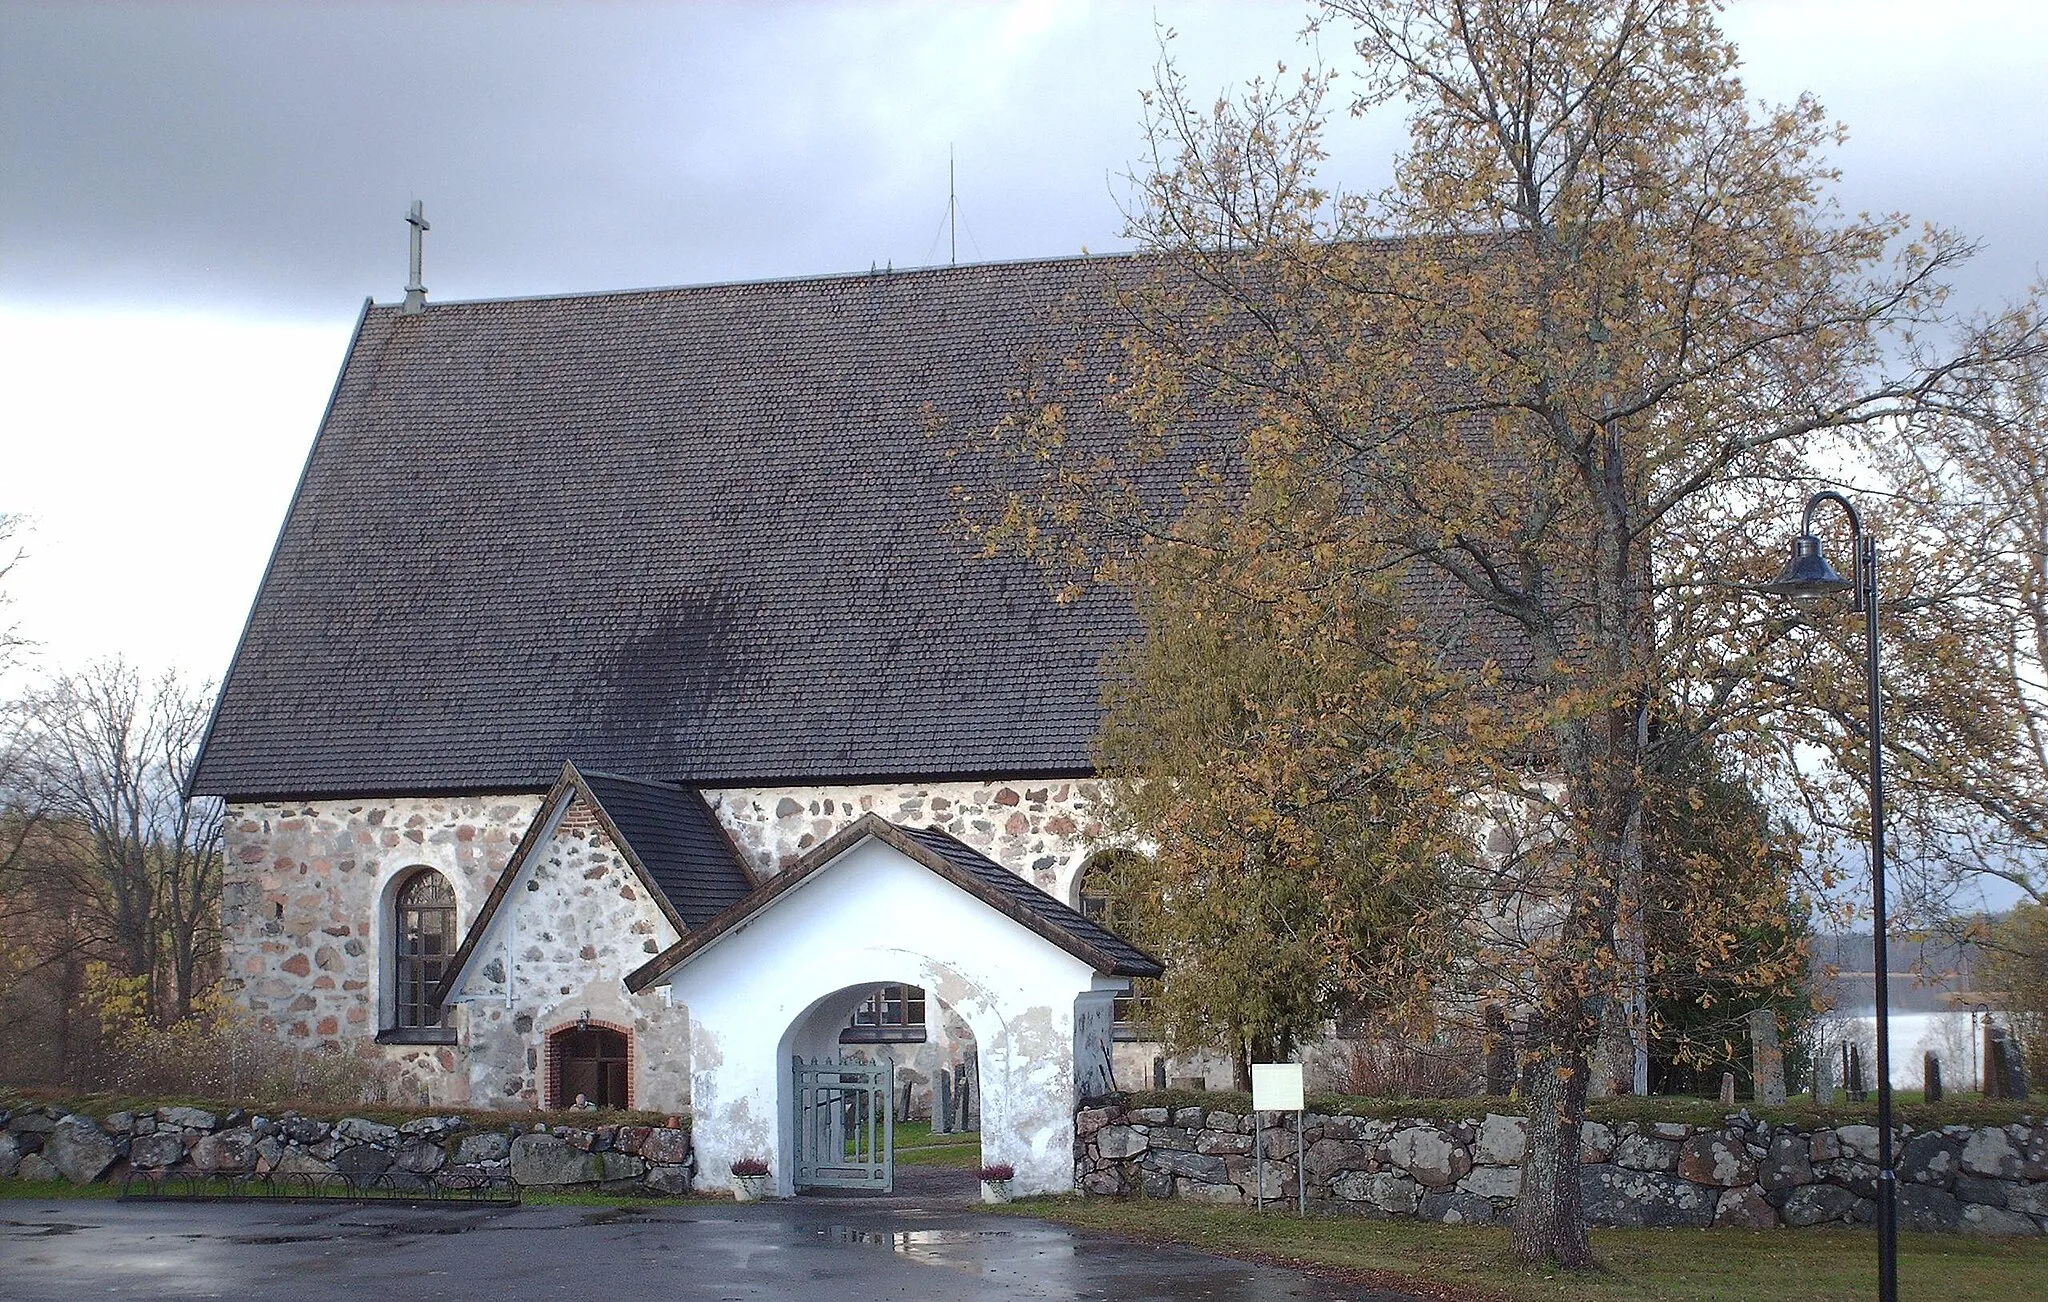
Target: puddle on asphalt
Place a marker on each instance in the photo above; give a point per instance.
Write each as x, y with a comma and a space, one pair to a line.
905, 1241
613, 1215
44, 1230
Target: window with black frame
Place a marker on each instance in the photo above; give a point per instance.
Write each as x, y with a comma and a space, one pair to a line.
425, 932
1093, 897
889, 1015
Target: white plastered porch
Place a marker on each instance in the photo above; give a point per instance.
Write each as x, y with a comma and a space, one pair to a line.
780, 983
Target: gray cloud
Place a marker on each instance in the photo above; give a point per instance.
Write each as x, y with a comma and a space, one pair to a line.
258, 158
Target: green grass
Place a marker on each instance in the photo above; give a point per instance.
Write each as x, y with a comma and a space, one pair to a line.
1462, 1262
34, 1189
916, 1145
537, 1196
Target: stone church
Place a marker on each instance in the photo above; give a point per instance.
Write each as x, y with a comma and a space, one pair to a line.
601, 631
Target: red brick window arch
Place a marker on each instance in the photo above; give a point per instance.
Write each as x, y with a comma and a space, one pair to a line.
592, 1061
424, 917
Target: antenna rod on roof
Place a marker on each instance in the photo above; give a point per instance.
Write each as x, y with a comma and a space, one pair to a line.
415, 292
952, 214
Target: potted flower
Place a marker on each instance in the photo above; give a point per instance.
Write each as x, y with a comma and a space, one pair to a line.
749, 1179
995, 1182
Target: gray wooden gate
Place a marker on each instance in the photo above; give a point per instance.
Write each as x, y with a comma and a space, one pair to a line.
845, 1128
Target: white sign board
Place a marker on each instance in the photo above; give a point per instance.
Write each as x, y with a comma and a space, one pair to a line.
1276, 1087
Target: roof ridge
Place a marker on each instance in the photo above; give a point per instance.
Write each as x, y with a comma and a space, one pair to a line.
674, 789
818, 278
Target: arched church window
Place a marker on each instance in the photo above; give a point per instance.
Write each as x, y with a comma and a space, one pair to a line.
890, 1014
590, 1063
1096, 888
424, 927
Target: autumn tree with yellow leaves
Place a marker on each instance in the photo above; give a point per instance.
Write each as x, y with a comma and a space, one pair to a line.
1566, 382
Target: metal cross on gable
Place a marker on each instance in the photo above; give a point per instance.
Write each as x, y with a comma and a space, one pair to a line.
415, 292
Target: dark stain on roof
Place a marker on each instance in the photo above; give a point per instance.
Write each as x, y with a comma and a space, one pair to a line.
703, 535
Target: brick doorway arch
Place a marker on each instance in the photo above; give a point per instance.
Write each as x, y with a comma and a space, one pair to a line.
591, 1060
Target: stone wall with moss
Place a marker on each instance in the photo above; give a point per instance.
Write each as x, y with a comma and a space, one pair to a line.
53, 1142
1743, 1171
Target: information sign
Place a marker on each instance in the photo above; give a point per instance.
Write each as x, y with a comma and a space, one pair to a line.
1276, 1087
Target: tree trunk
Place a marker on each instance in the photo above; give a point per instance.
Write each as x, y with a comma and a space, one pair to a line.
1549, 1224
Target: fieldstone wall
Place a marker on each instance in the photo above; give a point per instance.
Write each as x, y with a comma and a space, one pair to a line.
1036, 829
559, 950
1746, 1172
47, 1142
303, 916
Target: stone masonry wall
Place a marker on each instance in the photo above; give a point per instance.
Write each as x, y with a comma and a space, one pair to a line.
306, 909
1746, 1172
562, 945
47, 1142
303, 916
1036, 829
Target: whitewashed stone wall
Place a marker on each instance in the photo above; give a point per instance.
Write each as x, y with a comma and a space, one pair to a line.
1039, 830
875, 917
577, 921
306, 922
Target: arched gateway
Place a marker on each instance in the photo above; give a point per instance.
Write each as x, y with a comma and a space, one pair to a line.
772, 979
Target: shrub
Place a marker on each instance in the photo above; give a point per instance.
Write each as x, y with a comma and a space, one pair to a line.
216, 1052
1445, 1067
750, 1166
998, 1171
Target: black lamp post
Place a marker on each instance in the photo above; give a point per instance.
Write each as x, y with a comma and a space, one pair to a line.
1808, 574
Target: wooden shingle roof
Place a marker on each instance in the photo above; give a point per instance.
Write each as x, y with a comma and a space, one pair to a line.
705, 536
701, 535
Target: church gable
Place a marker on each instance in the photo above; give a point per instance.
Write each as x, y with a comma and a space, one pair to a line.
610, 872
576, 906
541, 970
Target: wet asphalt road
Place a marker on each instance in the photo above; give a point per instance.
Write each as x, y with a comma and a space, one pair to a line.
837, 1251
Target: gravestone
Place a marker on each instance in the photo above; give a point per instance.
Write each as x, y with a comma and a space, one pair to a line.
1823, 1080
1727, 1089
1852, 1073
2005, 1075
1930, 1067
1159, 1072
942, 1102
1767, 1058
1500, 1053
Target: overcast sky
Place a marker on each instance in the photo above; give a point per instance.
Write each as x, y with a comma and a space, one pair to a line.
194, 200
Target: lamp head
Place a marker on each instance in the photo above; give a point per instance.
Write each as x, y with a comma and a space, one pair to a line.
1807, 573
